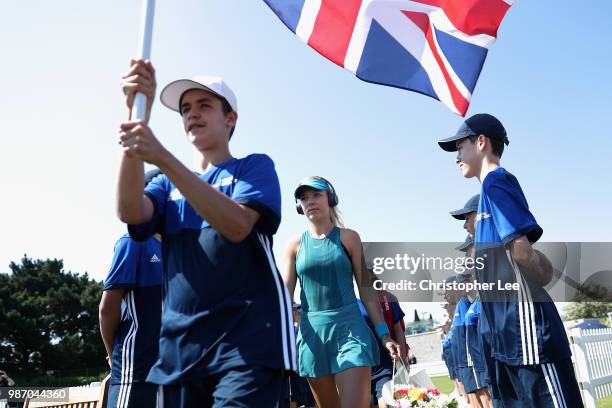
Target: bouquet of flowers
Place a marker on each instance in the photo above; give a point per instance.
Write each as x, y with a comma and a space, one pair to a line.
406, 396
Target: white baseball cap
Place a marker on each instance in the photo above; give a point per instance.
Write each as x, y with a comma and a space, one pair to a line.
171, 94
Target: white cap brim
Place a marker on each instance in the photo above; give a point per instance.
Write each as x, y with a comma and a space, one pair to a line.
171, 94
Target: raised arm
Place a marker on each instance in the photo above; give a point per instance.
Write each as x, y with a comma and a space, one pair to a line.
233, 220
132, 206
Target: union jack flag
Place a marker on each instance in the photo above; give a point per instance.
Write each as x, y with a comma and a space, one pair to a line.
434, 47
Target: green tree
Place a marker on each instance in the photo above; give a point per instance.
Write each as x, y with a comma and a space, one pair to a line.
48, 318
590, 302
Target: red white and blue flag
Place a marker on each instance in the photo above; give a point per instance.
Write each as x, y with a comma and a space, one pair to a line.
434, 47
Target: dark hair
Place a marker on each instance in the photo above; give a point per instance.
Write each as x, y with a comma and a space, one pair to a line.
225, 106
497, 146
227, 109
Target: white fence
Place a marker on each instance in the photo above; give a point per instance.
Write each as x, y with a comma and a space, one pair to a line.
592, 351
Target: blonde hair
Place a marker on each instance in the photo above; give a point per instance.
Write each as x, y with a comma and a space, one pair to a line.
336, 216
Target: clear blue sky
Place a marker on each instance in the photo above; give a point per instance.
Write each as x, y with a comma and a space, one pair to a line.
547, 78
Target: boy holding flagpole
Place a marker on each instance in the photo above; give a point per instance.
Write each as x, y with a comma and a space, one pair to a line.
226, 328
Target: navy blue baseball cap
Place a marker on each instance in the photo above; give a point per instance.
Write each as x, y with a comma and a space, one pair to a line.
464, 277
469, 207
466, 244
476, 125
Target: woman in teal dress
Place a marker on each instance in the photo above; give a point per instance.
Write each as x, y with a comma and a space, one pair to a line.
336, 349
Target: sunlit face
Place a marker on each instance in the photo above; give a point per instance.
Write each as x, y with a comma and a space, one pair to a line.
314, 204
468, 157
470, 223
204, 121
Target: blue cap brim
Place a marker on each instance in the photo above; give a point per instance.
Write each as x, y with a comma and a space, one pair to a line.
450, 144
460, 214
312, 184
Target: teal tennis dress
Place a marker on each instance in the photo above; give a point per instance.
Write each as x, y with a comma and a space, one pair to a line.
333, 335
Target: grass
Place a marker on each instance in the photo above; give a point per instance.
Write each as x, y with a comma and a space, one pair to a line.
444, 384
605, 402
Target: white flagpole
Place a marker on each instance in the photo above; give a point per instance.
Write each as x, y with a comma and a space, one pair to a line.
144, 51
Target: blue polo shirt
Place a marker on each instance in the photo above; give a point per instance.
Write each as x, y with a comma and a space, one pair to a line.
224, 303
458, 330
137, 268
524, 324
473, 339
398, 315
